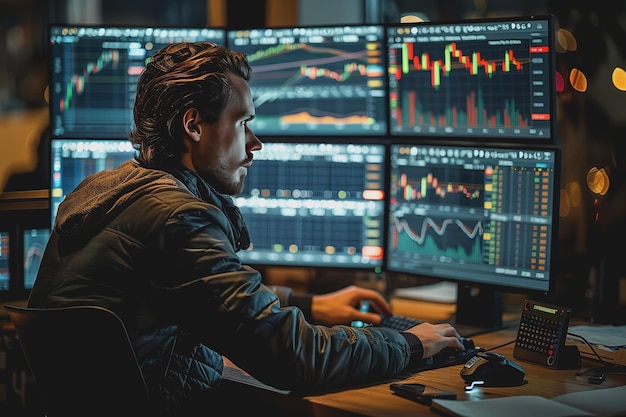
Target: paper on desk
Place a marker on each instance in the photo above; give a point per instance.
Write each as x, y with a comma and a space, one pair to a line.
440, 292
600, 402
603, 335
516, 406
603, 402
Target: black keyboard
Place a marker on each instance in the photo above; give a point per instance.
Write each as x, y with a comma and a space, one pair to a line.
448, 357
400, 323
394, 321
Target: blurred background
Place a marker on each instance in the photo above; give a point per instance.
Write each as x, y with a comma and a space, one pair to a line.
591, 96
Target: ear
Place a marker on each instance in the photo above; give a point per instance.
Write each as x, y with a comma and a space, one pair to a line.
191, 124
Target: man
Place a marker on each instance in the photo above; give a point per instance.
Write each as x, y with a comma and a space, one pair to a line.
155, 240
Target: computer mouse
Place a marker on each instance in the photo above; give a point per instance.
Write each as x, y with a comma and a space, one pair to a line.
493, 369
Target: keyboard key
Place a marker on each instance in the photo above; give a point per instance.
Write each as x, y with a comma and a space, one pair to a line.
398, 322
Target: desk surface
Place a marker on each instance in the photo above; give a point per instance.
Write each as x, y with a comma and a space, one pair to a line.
378, 401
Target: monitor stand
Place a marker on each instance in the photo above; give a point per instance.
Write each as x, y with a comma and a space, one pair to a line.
478, 310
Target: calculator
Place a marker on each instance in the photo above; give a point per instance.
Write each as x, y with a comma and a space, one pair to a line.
542, 333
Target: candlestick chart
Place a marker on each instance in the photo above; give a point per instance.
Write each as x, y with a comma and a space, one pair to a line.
488, 82
459, 88
94, 72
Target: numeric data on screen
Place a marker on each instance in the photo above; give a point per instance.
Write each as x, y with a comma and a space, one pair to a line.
476, 214
315, 204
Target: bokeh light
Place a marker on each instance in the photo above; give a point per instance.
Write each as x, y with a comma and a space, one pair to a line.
578, 80
560, 82
598, 181
565, 41
619, 78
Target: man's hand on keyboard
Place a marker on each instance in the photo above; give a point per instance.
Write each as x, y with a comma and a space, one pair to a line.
436, 337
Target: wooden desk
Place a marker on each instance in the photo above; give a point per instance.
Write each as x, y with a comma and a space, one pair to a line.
378, 401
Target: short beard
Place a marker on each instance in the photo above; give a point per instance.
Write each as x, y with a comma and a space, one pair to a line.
223, 184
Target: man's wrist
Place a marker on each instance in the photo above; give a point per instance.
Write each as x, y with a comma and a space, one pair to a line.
416, 347
303, 302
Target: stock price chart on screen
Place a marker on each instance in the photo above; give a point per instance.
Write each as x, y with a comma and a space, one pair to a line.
5, 276
482, 79
313, 80
479, 214
316, 204
94, 72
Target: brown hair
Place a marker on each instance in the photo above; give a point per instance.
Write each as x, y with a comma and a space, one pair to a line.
178, 77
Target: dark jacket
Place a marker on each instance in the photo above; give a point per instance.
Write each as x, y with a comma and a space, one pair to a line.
159, 248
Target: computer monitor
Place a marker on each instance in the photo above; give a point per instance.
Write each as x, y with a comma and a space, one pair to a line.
489, 79
5, 257
305, 203
327, 80
316, 204
72, 160
34, 241
94, 71
24, 218
483, 216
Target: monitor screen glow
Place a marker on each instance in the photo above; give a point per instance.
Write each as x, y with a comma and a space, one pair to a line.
5, 270
94, 72
489, 79
474, 214
316, 80
316, 204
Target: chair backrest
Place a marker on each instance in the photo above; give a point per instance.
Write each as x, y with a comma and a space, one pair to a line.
82, 361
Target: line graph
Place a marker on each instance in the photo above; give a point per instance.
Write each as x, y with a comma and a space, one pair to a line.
94, 73
322, 81
430, 236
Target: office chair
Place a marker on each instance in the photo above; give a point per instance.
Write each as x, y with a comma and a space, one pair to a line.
82, 361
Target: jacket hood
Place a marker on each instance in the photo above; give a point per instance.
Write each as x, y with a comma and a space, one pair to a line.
104, 193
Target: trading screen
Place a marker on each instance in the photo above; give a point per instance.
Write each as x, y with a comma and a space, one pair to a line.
474, 214
316, 80
5, 276
316, 204
490, 79
35, 241
94, 73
